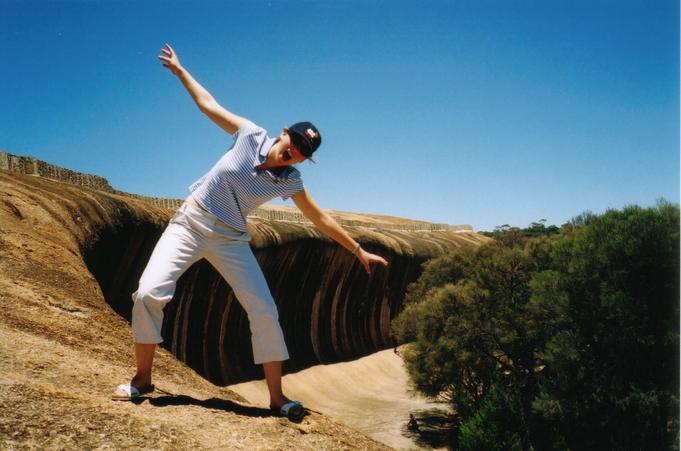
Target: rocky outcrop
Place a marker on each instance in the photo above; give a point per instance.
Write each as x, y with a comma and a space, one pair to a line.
330, 309
32, 166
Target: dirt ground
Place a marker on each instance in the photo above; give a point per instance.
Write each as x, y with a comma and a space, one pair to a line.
63, 350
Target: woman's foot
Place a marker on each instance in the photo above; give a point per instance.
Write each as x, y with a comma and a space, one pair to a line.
128, 392
293, 410
139, 385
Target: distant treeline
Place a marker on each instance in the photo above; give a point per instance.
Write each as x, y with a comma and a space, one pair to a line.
535, 229
564, 340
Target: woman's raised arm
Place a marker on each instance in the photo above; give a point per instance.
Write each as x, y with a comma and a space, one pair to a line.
225, 119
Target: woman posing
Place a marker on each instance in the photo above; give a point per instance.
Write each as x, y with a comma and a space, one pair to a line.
211, 224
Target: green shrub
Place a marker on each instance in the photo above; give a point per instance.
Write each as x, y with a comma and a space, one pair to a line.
574, 335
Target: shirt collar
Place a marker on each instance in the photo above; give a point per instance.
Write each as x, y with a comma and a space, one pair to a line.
261, 155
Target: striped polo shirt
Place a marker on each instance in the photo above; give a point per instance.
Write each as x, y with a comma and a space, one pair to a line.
234, 187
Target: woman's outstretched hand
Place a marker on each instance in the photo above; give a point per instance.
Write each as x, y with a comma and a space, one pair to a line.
368, 259
170, 59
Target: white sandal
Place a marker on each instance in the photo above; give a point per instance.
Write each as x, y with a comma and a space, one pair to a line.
129, 392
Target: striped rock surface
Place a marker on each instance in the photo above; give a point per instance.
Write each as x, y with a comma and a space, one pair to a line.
330, 309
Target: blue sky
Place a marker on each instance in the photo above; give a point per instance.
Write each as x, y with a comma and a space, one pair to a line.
462, 112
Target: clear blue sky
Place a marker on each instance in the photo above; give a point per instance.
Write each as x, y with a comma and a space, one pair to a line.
463, 112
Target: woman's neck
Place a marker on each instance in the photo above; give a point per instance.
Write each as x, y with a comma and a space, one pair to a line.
267, 165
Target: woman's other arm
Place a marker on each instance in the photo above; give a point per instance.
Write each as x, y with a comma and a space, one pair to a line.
225, 119
326, 224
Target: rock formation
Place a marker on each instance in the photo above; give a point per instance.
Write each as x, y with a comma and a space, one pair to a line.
330, 309
73, 249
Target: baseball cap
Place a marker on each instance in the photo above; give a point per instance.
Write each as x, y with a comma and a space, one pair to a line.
306, 137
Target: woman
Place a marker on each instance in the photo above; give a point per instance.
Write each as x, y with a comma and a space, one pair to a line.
211, 224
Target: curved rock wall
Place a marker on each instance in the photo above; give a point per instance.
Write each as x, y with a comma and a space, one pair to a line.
330, 309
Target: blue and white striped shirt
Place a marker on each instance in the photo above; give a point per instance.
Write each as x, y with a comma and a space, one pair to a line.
234, 187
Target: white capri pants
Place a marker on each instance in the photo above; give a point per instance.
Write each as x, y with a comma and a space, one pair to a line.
191, 235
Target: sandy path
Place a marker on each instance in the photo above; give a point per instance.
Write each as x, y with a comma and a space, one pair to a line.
369, 394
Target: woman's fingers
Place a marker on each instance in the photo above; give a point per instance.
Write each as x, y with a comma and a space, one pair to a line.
168, 51
372, 259
378, 259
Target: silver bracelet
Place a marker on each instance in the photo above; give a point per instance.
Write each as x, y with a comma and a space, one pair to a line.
354, 252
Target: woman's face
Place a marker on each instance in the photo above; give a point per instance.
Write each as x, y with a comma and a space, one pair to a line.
285, 152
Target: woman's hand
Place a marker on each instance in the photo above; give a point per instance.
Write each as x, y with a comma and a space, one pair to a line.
367, 259
171, 61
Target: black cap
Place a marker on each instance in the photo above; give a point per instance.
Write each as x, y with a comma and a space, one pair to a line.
306, 137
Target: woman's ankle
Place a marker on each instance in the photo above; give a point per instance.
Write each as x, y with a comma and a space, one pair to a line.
141, 380
278, 401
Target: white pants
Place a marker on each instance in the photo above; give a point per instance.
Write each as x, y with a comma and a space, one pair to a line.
191, 235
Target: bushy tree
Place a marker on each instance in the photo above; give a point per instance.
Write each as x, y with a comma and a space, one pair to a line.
564, 341
611, 380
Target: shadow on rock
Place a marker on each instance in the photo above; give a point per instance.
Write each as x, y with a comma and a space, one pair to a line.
212, 403
170, 399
